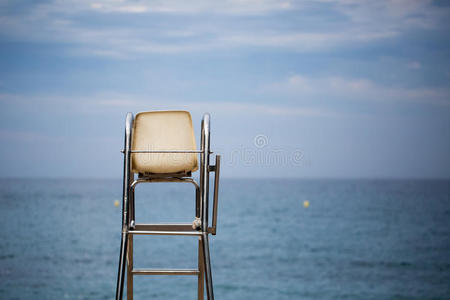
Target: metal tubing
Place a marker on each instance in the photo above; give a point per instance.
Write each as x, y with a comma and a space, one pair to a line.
130, 268
197, 202
216, 194
122, 262
165, 272
132, 214
207, 262
204, 171
201, 273
169, 179
152, 232
126, 180
130, 241
204, 186
164, 227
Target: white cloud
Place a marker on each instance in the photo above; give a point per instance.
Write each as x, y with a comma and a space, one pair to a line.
105, 103
360, 89
58, 21
302, 41
394, 14
228, 7
120, 8
138, 103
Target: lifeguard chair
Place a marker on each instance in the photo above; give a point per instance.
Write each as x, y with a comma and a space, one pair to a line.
160, 147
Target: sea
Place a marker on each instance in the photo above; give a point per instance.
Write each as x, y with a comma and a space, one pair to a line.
276, 239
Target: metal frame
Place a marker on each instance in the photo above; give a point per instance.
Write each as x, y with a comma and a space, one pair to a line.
130, 228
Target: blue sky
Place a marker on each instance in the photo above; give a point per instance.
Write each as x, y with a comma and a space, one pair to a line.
310, 89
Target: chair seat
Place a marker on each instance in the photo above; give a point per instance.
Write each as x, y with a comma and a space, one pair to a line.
163, 130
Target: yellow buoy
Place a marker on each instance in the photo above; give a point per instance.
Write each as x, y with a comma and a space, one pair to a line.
306, 203
116, 203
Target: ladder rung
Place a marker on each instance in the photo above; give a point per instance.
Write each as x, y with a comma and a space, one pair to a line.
164, 229
165, 272
194, 233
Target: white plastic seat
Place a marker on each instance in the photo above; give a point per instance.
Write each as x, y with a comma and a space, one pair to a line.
163, 130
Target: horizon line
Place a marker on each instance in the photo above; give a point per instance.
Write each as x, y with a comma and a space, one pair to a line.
235, 178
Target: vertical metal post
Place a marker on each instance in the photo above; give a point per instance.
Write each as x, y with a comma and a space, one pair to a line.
132, 215
201, 269
207, 262
204, 171
125, 206
130, 268
204, 184
130, 242
216, 194
198, 205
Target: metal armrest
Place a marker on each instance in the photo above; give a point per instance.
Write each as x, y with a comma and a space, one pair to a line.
216, 170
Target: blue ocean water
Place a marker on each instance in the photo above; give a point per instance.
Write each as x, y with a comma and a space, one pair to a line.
358, 239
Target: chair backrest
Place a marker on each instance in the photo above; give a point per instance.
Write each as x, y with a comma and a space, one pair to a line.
163, 130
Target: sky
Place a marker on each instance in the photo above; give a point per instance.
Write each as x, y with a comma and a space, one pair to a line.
304, 89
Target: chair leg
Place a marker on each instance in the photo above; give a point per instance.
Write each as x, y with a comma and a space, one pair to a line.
130, 244
130, 268
207, 263
201, 269
122, 262
125, 206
